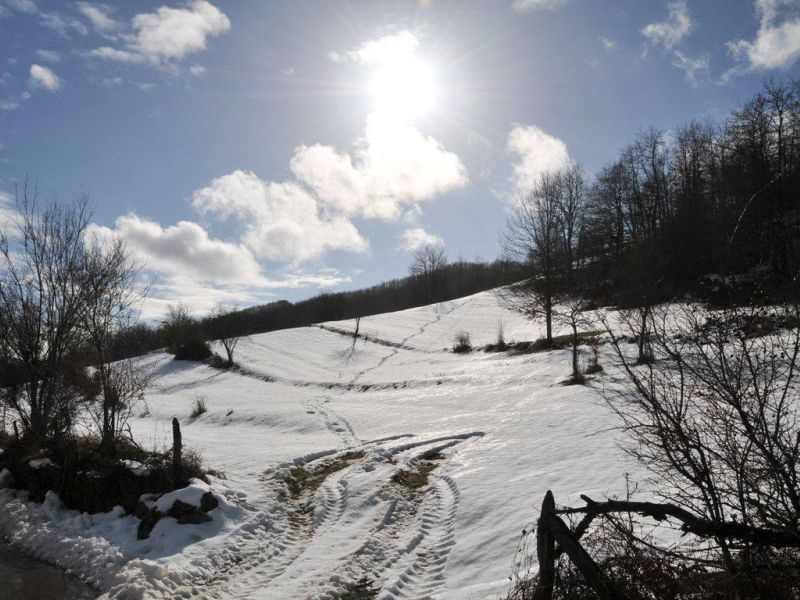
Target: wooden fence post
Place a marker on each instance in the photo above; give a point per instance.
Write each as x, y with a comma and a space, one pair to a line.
545, 550
581, 559
177, 449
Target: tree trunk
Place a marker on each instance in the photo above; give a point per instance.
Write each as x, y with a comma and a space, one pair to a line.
548, 317
643, 335
575, 369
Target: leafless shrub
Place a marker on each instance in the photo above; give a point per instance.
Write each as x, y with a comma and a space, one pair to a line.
199, 407
715, 417
462, 342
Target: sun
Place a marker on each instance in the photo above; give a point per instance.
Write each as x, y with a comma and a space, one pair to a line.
404, 88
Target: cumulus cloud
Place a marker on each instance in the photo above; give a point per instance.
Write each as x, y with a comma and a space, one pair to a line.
413, 239
184, 249
390, 169
279, 221
393, 167
523, 6
190, 266
777, 42
667, 34
536, 152
42, 77
168, 34
99, 16
380, 50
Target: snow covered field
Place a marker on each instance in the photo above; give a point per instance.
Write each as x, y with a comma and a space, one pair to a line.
502, 428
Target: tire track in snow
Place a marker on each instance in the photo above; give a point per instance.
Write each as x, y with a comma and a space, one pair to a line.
425, 552
270, 558
270, 555
267, 537
424, 576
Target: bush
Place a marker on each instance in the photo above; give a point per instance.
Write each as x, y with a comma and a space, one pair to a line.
500, 345
594, 365
462, 342
88, 480
199, 406
196, 350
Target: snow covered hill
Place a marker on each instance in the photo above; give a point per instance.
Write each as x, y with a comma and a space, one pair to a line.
499, 429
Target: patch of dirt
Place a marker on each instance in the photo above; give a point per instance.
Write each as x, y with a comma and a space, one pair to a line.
308, 479
416, 478
359, 590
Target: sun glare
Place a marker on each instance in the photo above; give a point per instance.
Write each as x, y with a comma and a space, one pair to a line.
404, 88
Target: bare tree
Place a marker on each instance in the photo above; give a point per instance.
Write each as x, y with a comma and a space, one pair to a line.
223, 329
573, 313
177, 326
112, 300
427, 267
716, 416
541, 233
41, 309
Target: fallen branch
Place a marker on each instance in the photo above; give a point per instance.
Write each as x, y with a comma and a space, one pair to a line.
690, 523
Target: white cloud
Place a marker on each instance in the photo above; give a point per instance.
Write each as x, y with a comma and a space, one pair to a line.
393, 165
99, 16
532, 5
8, 209
380, 50
608, 43
693, 68
191, 267
50, 56
666, 34
26, 6
111, 82
197, 70
169, 34
172, 33
109, 53
43, 77
536, 152
62, 24
280, 221
777, 43
184, 249
412, 239
391, 169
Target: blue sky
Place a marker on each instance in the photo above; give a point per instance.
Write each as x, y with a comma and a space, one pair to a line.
250, 151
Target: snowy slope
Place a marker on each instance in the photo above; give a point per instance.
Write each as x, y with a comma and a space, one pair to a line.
505, 427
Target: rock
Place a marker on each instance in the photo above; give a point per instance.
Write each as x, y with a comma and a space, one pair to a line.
208, 502
147, 523
186, 513
141, 510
